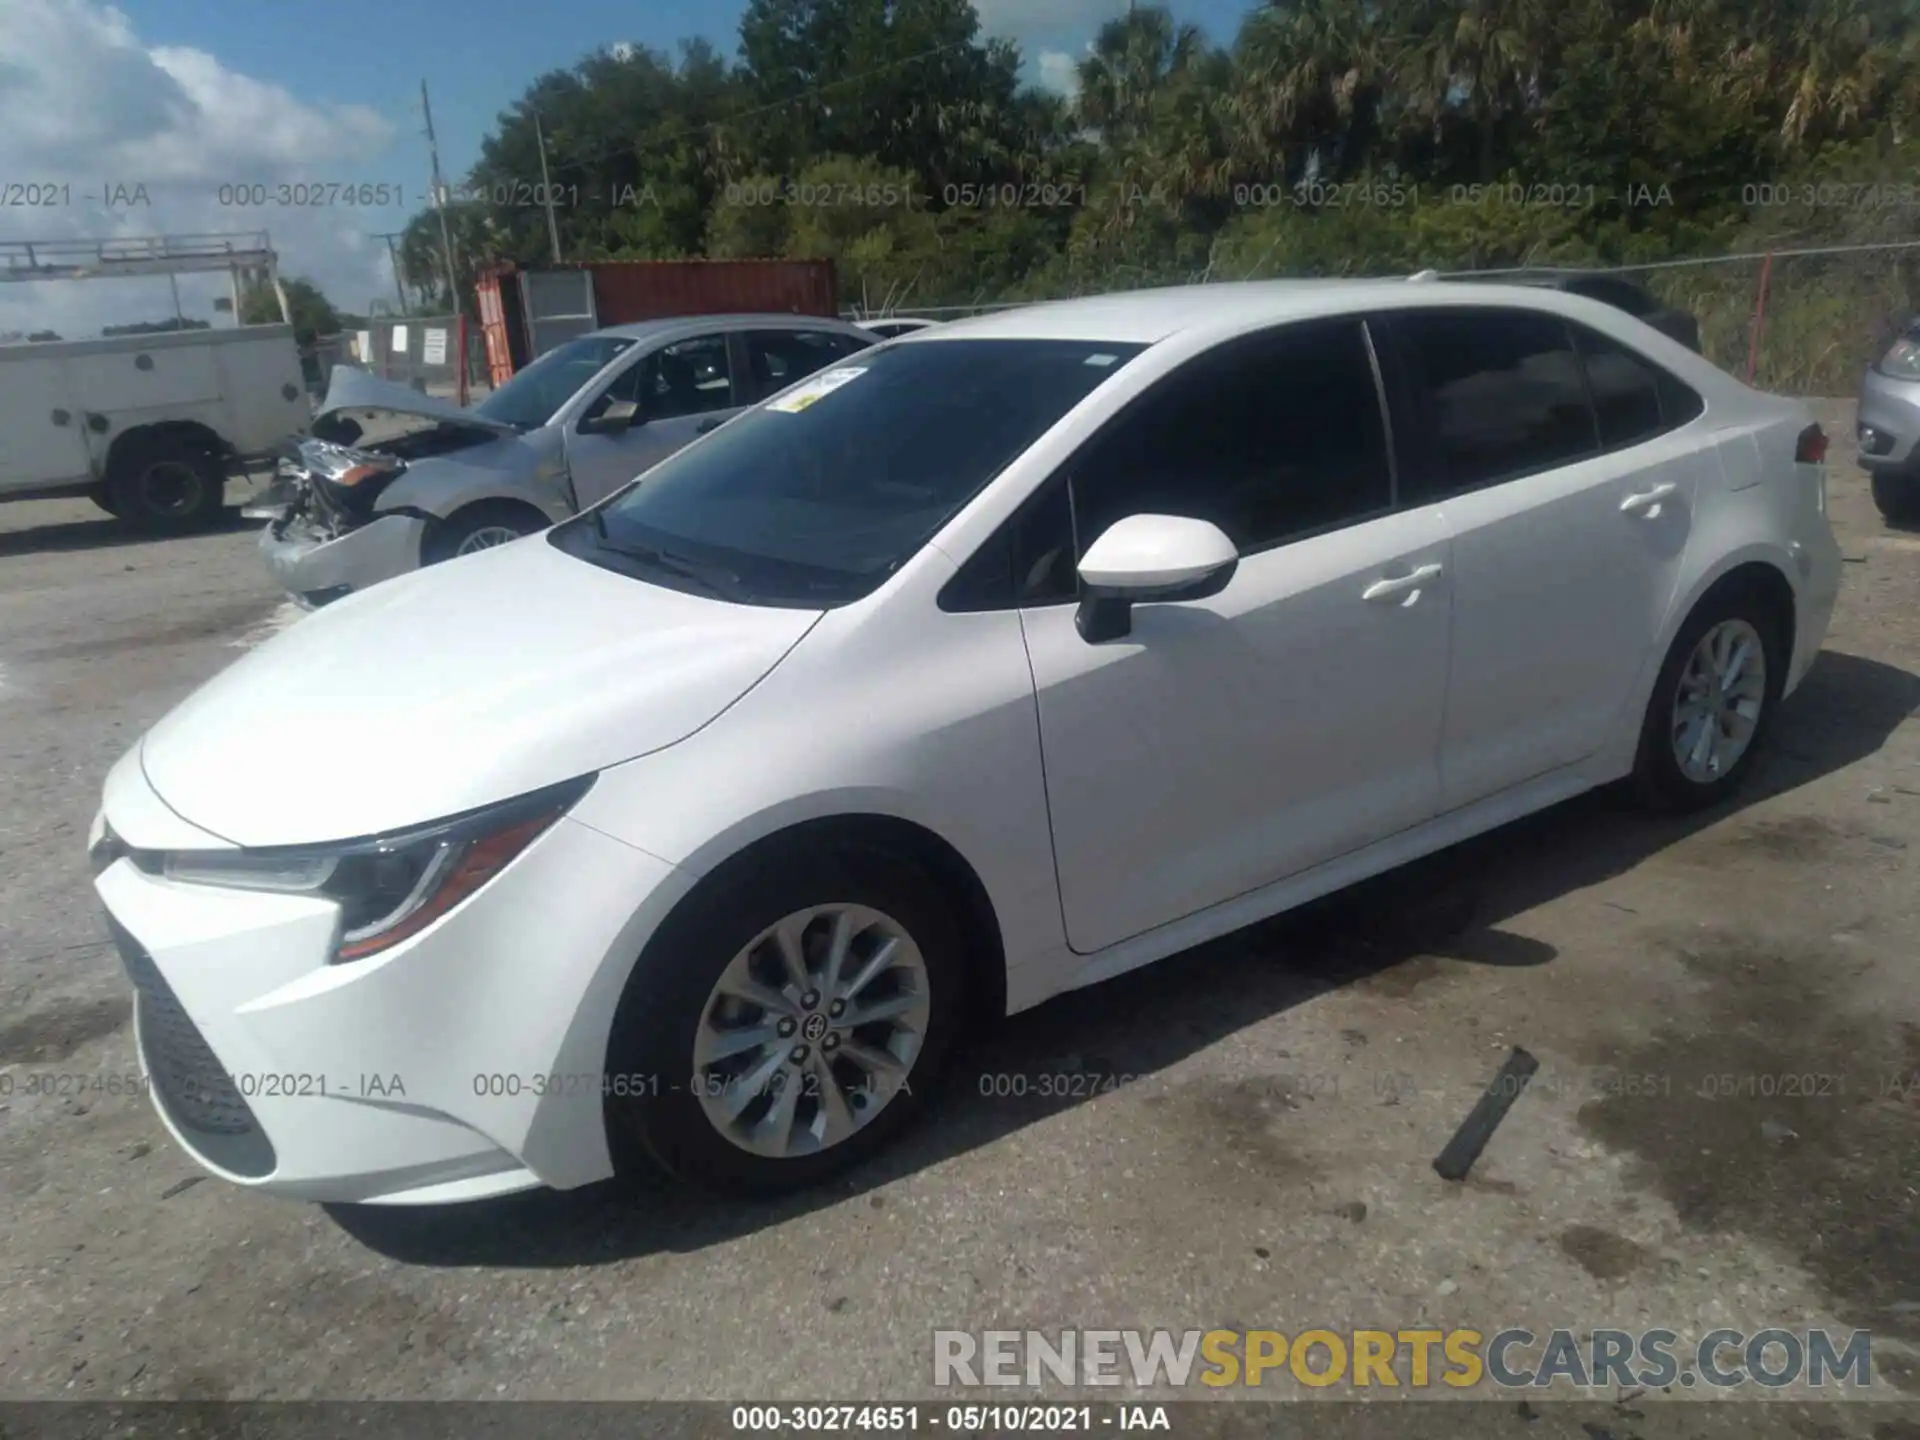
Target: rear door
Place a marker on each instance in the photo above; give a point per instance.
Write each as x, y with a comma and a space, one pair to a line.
683, 389
1548, 450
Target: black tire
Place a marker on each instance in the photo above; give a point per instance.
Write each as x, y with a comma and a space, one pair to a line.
102, 496
1658, 778
444, 541
1897, 497
167, 485
660, 1118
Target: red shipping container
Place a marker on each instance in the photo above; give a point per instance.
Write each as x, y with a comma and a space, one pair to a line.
627, 291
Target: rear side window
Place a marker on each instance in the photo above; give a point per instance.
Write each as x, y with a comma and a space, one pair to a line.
1273, 437
780, 357
1499, 394
1633, 398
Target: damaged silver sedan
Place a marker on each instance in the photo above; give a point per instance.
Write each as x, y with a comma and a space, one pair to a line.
390, 479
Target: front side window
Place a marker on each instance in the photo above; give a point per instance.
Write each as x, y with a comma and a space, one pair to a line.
1500, 394
688, 377
1272, 437
532, 397
817, 496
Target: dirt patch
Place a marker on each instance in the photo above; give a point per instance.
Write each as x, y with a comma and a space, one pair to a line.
1601, 1253
1236, 1130
211, 624
62, 1028
1777, 1112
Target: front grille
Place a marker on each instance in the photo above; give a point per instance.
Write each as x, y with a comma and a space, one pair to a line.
186, 1075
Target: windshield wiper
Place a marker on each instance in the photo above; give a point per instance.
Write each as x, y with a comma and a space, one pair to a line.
714, 579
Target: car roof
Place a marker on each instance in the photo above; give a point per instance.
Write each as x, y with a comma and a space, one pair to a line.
676, 324
1146, 317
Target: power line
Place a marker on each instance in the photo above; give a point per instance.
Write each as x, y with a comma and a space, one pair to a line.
439, 197
393, 254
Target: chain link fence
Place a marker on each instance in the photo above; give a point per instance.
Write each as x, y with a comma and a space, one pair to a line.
1796, 321
437, 355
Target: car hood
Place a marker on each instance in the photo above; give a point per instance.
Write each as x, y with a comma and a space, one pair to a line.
351, 389
453, 687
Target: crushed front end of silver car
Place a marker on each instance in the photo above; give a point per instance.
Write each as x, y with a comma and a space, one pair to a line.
324, 536
322, 539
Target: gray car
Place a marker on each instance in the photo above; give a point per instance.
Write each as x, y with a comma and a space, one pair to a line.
390, 479
1889, 427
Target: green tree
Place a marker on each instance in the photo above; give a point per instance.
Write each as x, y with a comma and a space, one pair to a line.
313, 315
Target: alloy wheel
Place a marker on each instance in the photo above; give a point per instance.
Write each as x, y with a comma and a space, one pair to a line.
486, 537
812, 1030
1716, 708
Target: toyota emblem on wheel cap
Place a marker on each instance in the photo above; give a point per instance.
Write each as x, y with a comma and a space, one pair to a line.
815, 1027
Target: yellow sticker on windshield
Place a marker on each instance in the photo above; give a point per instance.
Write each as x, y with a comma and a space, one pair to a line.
808, 391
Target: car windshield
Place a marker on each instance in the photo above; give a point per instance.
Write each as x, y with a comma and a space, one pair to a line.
530, 399
817, 496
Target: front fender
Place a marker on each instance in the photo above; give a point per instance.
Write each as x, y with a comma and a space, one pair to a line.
509, 469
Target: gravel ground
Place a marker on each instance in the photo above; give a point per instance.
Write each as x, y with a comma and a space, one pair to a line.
1266, 1162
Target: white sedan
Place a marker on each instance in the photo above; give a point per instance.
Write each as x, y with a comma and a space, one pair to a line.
990, 664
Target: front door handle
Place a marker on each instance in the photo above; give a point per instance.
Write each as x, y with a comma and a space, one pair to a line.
705, 425
1392, 587
1647, 500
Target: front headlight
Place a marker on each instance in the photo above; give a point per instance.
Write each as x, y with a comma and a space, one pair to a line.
388, 887
1902, 362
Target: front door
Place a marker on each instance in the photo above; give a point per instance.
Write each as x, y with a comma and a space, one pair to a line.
1228, 743
683, 390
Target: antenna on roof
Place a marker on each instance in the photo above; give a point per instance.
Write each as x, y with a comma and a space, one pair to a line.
1424, 275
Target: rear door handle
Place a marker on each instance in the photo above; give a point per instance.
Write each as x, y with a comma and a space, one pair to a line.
1393, 587
1646, 499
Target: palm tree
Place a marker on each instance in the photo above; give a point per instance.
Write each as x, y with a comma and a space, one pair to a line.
1480, 59
1131, 61
1312, 79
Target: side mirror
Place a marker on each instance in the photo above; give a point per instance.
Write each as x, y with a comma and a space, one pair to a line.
618, 416
1149, 558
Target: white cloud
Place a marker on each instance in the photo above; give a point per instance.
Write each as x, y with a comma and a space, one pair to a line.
1059, 72
87, 106
1026, 19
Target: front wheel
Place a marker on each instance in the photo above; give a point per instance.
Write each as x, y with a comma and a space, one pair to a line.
1711, 703
786, 1023
480, 527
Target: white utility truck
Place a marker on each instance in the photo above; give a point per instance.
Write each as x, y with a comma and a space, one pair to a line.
149, 425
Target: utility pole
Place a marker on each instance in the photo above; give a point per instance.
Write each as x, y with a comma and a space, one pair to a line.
399, 286
439, 198
546, 188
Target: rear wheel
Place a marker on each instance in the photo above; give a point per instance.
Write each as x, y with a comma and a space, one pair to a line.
786, 1022
480, 527
1897, 497
1712, 701
167, 485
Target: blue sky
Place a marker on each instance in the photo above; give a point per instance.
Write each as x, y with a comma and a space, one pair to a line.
478, 55
190, 98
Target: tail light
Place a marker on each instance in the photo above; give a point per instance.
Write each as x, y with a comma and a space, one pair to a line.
1811, 448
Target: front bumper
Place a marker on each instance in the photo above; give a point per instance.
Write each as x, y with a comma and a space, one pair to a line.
1888, 425
315, 568
465, 1062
